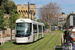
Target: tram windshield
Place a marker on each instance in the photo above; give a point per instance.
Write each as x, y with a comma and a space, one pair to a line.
23, 29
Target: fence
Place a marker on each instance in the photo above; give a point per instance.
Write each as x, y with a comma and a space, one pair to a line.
2, 37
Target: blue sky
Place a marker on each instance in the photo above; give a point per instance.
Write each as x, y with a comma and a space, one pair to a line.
67, 6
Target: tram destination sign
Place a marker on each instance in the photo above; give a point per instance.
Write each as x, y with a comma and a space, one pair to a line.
22, 20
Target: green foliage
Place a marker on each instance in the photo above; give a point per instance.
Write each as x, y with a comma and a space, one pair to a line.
63, 13
2, 20
47, 25
34, 18
38, 20
55, 24
24, 16
14, 16
67, 17
65, 25
7, 5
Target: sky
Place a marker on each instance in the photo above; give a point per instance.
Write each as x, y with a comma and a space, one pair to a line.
67, 6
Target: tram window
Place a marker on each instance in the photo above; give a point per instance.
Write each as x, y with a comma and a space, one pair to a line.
20, 32
34, 28
40, 28
21, 25
74, 21
23, 28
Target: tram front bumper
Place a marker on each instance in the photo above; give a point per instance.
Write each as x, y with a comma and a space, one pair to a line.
22, 40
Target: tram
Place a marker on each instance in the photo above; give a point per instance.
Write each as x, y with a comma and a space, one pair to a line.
27, 30
71, 22
54, 27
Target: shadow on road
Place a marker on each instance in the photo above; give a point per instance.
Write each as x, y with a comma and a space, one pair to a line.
22, 43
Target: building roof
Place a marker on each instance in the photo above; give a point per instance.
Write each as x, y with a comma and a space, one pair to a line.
63, 16
58, 15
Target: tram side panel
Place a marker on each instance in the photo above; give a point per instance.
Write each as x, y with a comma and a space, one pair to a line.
40, 32
31, 36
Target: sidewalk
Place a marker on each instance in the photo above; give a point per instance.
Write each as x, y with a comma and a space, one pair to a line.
7, 38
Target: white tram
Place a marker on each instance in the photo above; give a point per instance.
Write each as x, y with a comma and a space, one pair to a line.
27, 30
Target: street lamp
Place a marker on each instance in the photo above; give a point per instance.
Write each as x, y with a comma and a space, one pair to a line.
28, 9
31, 14
11, 25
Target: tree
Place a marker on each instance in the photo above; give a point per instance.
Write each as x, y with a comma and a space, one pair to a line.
34, 18
38, 20
63, 13
65, 25
7, 5
23, 16
55, 24
48, 11
14, 16
2, 20
46, 25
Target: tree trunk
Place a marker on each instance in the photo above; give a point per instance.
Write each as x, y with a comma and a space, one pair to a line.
50, 24
50, 28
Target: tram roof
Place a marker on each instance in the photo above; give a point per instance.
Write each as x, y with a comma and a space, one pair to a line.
28, 21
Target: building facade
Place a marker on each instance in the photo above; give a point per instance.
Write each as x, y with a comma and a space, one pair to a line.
23, 10
59, 19
54, 20
62, 19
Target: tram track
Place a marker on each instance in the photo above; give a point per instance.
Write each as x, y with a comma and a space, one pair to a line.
20, 47
46, 42
55, 42
24, 46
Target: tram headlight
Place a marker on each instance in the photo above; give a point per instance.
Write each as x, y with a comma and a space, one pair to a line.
28, 38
